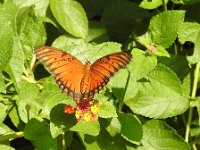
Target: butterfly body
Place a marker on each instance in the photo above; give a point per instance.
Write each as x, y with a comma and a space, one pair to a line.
81, 80
85, 79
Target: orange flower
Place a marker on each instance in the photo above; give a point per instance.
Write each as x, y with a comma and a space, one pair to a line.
86, 109
69, 109
95, 117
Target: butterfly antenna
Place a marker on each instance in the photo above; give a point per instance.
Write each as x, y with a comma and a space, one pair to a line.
83, 55
98, 51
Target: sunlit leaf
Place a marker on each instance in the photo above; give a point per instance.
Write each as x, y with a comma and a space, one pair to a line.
71, 16
158, 135
164, 27
160, 95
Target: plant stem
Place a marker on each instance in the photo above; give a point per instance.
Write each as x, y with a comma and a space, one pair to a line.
175, 49
63, 140
11, 136
125, 89
9, 83
194, 147
32, 62
28, 79
164, 5
194, 90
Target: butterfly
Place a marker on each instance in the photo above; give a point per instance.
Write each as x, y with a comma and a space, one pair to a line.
80, 80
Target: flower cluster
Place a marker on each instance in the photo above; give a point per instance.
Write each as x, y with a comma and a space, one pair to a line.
152, 48
87, 109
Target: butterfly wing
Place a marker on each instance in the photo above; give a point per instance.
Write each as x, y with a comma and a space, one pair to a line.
66, 68
104, 68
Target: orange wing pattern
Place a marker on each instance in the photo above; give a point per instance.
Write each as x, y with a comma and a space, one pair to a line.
78, 80
66, 68
104, 68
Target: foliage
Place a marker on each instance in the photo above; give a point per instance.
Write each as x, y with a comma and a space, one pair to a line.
161, 81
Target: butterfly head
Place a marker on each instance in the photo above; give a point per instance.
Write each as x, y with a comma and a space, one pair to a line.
88, 63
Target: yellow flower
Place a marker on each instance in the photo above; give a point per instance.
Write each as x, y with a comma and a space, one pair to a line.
78, 114
95, 109
87, 116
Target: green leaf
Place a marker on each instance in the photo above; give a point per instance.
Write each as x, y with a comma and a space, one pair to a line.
105, 100
68, 137
171, 62
8, 13
6, 133
5, 147
152, 4
197, 99
121, 17
96, 7
158, 135
67, 42
15, 118
119, 83
90, 128
160, 51
107, 109
40, 6
52, 100
196, 55
165, 26
71, 16
112, 126
3, 109
188, 32
35, 128
190, 2
51, 96
6, 43
132, 74
38, 131
191, 32
195, 131
160, 95
142, 60
103, 141
28, 106
177, 1
60, 121
4, 129
13, 49
76, 144
30, 30
187, 85
13, 112
2, 84
16, 65
86, 51
183, 74
131, 128
97, 33
152, 47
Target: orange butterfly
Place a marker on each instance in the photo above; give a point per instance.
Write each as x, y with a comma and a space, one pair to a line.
81, 80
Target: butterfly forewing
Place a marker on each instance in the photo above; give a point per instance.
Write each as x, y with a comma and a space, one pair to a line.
105, 67
66, 68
